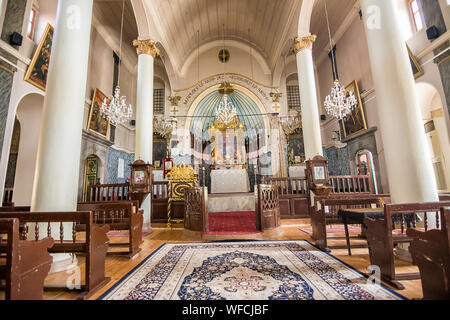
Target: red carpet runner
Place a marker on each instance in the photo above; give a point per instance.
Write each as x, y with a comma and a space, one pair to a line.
232, 223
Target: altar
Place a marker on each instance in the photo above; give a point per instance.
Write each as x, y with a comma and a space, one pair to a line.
229, 181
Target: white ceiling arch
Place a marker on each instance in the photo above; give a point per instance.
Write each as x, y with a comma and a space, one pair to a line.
230, 44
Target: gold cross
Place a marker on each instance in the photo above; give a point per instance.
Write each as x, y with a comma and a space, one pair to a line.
174, 110
276, 107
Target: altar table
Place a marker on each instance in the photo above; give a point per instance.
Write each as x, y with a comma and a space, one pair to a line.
229, 181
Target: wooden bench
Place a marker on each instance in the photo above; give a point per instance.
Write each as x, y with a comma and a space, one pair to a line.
24, 265
325, 212
384, 234
94, 245
431, 253
119, 215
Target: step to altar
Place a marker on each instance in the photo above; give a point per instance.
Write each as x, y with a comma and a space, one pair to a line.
231, 202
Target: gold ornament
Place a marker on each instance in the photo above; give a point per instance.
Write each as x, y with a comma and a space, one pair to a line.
301, 43
146, 47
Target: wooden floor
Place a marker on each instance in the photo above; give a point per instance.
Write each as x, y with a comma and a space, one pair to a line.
117, 266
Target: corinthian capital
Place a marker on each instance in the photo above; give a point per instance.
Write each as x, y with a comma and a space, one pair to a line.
304, 42
146, 47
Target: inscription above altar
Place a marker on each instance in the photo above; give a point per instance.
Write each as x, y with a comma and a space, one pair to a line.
188, 95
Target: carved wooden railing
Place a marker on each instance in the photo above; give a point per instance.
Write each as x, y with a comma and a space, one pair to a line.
288, 186
196, 209
108, 192
352, 184
7, 197
267, 207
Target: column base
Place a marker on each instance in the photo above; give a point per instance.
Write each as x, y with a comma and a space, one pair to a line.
147, 227
63, 262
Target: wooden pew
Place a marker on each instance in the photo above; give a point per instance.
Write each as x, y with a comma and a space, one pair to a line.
384, 234
431, 252
326, 212
119, 215
294, 196
24, 265
94, 245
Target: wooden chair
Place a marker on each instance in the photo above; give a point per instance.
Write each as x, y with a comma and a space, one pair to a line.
24, 265
120, 215
93, 246
431, 252
384, 234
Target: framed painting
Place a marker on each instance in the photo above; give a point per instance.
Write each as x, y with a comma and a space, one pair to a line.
98, 122
38, 70
356, 121
416, 68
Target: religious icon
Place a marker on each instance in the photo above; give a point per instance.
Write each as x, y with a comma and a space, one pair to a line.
139, 177
38, 70
355, 121
319, 173
98, 122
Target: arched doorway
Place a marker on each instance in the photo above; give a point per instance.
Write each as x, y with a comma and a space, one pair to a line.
12, 165
365, 166
436, 130
91, 174
29, 113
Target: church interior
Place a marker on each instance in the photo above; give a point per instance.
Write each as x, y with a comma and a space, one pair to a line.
224, 150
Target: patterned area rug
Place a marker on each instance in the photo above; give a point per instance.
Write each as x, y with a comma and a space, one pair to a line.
335, 229
254, 270
232, 223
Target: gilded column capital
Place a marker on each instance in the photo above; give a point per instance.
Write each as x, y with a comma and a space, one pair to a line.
301, 43
146, 47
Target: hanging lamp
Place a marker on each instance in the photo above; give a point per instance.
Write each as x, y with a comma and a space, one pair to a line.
339, 103
117, 111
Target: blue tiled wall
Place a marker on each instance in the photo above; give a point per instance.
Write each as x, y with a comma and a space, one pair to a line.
113, 164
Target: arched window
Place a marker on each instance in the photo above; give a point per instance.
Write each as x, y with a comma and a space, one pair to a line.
417, 14
32, 21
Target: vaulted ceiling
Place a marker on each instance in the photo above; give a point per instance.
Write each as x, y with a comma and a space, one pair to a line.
263, 23
268, 25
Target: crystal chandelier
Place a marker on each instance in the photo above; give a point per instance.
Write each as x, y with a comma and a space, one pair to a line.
226, 112
291, 124
162, 127
117, 111
339, 103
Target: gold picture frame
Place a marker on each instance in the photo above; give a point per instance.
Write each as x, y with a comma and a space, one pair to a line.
356, 121
98, 124
416, 68
38, 69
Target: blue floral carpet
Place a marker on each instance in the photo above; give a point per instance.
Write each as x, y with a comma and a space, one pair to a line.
261, 270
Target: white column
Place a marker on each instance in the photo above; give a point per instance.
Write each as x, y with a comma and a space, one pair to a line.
308, 96
408, 161
58, 156
147, 52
